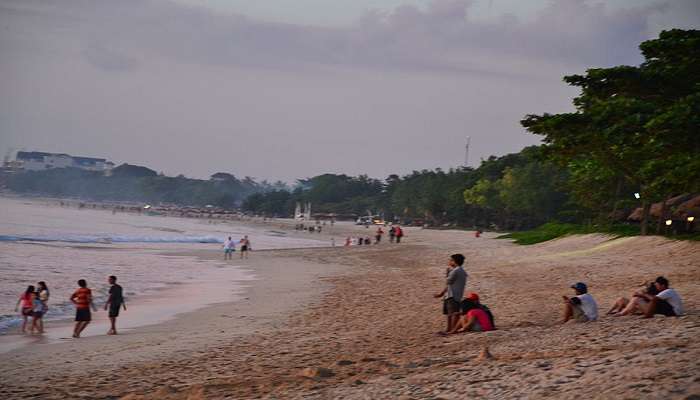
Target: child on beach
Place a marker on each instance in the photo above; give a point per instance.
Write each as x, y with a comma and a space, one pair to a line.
42, 294
38, 311
582, 307
82, 298
26, 299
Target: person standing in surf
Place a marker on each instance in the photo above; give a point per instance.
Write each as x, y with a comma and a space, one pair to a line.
26, 299
245, 246
82, 298
114, 302
229, 247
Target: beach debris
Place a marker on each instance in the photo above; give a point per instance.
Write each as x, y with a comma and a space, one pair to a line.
345, 362
317, 372
485, 354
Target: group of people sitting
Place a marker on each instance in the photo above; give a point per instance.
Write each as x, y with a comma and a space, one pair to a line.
468, 314
657, 298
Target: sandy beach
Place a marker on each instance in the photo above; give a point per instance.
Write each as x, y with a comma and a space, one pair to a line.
361, 322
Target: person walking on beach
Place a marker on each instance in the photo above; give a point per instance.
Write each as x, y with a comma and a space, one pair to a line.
392, 234
114, 302
453, 291
378, 235
26, 300
229, 247
245, 246
399, 234
582, 307
82, 298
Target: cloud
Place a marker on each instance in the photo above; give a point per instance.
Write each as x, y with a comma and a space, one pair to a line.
186, 90
442, 37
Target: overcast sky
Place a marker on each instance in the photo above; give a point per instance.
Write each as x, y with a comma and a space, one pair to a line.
285, 89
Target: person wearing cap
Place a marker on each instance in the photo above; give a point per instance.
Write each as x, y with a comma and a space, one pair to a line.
476, 317
581, 307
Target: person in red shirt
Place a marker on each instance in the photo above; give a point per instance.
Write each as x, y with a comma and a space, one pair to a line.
475, 318
26, 299
82, 298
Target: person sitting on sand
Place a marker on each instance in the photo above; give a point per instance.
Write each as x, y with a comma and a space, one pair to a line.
667, 302
581, 307
636, 305
476, 317
454, 290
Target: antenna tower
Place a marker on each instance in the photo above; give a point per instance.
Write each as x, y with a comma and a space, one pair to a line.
466, 152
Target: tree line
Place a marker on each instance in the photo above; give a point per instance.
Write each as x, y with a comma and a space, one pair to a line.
632, 141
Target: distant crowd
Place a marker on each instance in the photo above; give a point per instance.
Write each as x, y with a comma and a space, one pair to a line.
396, 233
467, 313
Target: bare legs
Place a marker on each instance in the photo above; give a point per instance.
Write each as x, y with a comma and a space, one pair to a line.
113, 322
635, 305
619, 305
38, 324
649, 312
568, 311
24, 323
79, 327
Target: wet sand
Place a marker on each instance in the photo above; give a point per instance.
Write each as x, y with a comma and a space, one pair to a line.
360, 322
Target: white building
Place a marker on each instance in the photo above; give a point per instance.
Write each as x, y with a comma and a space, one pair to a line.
39, 161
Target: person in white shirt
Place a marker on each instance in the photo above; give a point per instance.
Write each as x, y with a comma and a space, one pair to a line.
582, 307
667, 302
229, 248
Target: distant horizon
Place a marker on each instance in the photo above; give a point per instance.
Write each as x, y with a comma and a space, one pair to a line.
13, 154
284, 89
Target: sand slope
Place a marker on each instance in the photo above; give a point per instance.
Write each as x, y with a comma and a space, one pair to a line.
372, 333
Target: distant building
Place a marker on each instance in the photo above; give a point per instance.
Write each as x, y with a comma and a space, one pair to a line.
40, 161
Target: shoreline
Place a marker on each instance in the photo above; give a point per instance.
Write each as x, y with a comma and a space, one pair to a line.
367, 315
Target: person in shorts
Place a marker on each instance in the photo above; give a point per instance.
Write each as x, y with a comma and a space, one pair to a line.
82, 298
582, 307
229, 248
115, 301
667, 302
454, 290
38, 311
245, 246
26, 300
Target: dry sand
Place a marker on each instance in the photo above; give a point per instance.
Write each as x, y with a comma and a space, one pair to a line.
361, 322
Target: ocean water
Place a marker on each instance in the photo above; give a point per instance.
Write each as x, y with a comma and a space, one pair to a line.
40, 240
